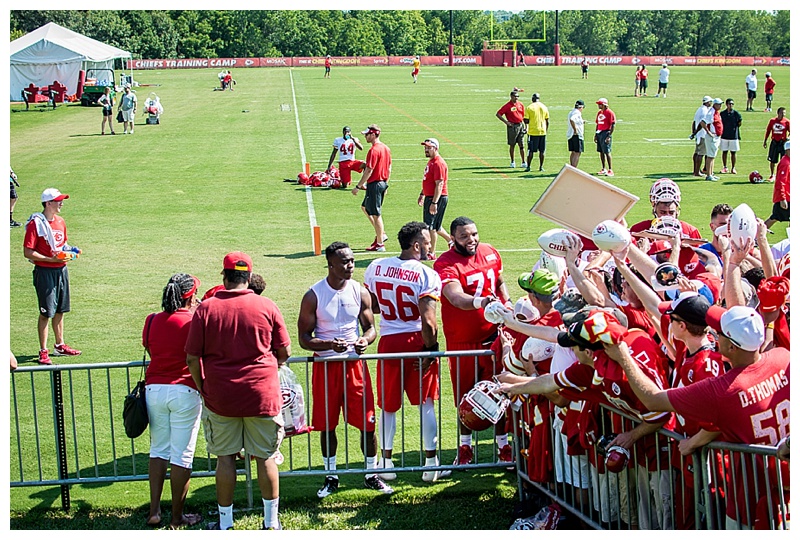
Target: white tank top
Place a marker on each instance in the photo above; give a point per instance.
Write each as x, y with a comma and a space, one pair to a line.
337, 313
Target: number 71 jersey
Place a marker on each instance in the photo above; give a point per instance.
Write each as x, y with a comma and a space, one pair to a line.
398, 284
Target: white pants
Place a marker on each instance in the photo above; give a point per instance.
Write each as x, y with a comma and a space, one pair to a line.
572, 470
174, 411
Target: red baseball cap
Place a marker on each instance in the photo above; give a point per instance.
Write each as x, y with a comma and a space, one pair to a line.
659, 246
237, 260
713, 282
602, 101
772, 293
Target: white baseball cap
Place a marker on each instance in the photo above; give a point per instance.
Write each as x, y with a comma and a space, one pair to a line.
524, 310
52, 194
706, 99
768, 74
740, 324
434, 143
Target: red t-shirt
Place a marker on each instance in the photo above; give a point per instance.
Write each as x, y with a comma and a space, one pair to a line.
638, 318
327, 62
779, 129
643, 74
514, 112
769, 85
379, 159
165, 338
435, 169
40, 245
717, 124
605, 119
780, 333
782, 184
235, 333
478, 276
686, 229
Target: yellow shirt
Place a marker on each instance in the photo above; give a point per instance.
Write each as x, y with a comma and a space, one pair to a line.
537, 115
416, 63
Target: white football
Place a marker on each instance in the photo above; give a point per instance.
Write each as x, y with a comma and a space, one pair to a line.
552, 241
493, 312
742, 224
610, 235
557, 265
536, 350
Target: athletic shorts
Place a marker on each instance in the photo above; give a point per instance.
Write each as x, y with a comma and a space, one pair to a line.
729, 145
342, 386
602, 146
700, 145
414, 72
327, 69
643, 84
434, 222
778, 213
52, 289
662, 85
397, 375
345, 168
712, 146
373, 200
515, 134
584, 69
260, 436
13, 191
751, 94
108, 111
776, 151
537, 143
174, 412
465, 371
575, 144
768, 97
129, 116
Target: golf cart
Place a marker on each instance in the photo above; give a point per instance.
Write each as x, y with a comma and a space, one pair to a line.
97, 80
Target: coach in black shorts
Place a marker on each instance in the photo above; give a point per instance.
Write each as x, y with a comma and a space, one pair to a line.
433, 197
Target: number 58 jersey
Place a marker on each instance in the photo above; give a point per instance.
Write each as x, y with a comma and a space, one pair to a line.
398, 285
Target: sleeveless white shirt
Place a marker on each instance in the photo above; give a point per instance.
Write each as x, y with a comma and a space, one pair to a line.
337, 313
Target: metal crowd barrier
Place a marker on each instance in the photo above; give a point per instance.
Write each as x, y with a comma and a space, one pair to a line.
68, 429
652, 493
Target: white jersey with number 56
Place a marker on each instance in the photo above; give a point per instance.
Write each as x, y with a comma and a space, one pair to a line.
398, 285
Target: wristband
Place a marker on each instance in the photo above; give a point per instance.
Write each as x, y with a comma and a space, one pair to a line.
432, 348
477, 302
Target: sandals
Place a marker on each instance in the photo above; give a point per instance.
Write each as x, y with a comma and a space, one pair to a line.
189, 520
154, 524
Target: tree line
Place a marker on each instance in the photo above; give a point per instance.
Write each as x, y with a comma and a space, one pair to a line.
248, 33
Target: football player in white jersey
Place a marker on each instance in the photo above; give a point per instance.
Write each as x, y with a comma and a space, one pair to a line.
405, 292
346, 145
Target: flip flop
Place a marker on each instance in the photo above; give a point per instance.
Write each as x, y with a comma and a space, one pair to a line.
154, 524
189, 520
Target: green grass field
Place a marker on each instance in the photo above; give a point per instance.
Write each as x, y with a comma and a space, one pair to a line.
211, 178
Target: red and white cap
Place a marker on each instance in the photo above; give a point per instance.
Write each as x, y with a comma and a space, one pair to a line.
52, 194
602, 101
740, 324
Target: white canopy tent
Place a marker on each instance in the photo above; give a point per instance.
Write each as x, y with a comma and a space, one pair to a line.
54, 53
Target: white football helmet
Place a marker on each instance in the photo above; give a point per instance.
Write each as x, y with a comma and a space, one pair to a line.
481, 406
665, 190
666, 225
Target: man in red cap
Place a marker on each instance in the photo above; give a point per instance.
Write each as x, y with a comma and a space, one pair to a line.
605, 122
433, 197
45, 245
242, 340
375, 180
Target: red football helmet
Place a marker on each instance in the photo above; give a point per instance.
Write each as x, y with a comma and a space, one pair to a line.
334, 173
318, 179
481, 406
302, 178
617, 458
756, 178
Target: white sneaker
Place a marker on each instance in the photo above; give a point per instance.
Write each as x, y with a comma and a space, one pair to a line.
524, 165
513, 164
386, 463
431, 476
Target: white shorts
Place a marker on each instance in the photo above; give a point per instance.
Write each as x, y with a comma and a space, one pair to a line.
174, 411
729, 145
606, 496
573, 470
128, 116
711, 146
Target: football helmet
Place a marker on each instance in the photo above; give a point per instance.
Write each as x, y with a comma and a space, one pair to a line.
302, 178
318, 179
617, 458
481, 407
666, 225
783, 266
756, 178
665, 190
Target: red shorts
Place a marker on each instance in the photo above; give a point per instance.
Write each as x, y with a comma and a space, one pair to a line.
352, 165
465, 371
394, 376
415, 71
342, 385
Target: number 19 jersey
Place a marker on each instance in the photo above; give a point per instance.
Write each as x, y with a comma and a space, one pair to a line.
398, 284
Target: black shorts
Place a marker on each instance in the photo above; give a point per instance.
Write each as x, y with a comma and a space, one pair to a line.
108, 112
515, 134
327, 69
575, 144
776, 151
751, 94
768, 97
13, 191
778, 213
52, 289
584, 69
537, 143
643, 84
434, 222
602, 146
373, 200
662, 85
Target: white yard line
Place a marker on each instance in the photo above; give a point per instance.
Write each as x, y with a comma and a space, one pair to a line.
312, 216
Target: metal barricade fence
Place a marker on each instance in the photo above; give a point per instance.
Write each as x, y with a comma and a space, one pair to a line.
659, 489
68, 427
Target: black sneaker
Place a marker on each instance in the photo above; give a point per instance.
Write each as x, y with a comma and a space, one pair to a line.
214, 526
15, 223
373, 482
330, 486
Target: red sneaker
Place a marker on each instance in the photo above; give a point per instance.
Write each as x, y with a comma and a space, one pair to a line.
464, 455
505, 454
376, 247
65, 350
44, 358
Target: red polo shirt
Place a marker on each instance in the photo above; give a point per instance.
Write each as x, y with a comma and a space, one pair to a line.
379, 159
164, 335
513, 111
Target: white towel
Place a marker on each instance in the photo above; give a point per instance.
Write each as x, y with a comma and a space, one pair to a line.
44, 230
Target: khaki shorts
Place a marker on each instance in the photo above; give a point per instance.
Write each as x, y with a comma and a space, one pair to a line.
260, 436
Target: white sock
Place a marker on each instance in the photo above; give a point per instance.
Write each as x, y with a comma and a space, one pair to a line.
430, 461
502, 440
466, 440
371, 464
330, 465
225, 517
429, 428
271, 512
388, 428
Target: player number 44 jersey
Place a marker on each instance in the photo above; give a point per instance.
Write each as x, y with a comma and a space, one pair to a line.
346, 148
398, 285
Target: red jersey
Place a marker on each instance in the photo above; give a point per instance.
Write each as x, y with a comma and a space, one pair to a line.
605, 119
638, 318
778, 128
782, 184
513, 111
435, 169
686, 229
40, 245
780, 333
643, 74
235, 333
769, 85
164, 334
327, 62
716, 124
477, 275
379, 159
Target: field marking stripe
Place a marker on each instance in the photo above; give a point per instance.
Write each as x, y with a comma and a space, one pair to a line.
312, 215
420, 123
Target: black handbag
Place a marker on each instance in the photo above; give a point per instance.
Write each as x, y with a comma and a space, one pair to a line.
134, 410
120, 118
